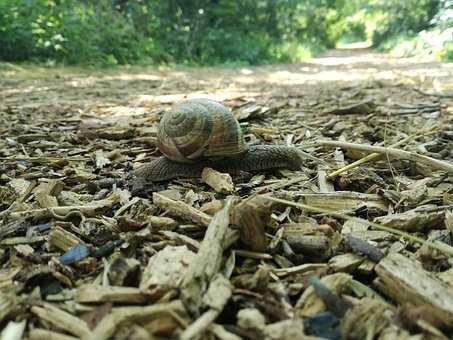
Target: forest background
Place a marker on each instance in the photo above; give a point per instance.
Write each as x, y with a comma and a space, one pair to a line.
208, 32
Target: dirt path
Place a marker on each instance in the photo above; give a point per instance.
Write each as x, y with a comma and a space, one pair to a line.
37, 87
69, 138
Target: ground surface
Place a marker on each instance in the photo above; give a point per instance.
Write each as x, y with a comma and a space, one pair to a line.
78, 249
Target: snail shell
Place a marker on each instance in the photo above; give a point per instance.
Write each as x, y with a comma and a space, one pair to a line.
199, 129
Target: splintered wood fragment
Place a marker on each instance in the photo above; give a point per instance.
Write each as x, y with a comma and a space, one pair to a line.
7, 305
441, 246
40, 334
366, 267
13, 227
287, 329
181, 209
393, 332
308, 244
221, 333
165, 269
446, 276
22, 240
162, 223
96, 293
101, 159
449, 220
62, 239
181, 238
208, 259
199, 325
413, 220
303, 268
164, 326
282, 184
62, 320
345, 262
406, 281
216, 297
253, 254
332, 300
371, 156
343, 200
21, 186
88, 210
46, 193
251, 318
107, 326
212, 207
366, 314
24, 190
363, 107
310, 304
252, 216
13, 330
220, 182
324, 185
122, 270
306, 226
395, 153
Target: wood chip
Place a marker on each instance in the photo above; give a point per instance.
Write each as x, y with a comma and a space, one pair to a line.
166, 268
220, 182
61, 320
96, 294
181, 209
405, 280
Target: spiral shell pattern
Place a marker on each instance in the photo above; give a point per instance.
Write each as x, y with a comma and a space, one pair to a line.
199, 128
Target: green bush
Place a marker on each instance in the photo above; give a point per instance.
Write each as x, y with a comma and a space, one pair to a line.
109, 32
402, 17
69, 32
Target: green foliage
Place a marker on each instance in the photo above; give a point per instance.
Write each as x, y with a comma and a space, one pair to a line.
401, 17
67, 31
432, 39
109, 32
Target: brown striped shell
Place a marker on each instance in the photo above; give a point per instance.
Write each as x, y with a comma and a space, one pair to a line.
199, 128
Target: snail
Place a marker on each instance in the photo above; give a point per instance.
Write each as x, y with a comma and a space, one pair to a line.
201, 133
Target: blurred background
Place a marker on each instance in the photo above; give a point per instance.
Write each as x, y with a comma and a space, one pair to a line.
212, 32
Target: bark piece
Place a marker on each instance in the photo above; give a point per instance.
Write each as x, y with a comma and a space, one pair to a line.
40, 334
13, 330
252, 216
165, 269
108, 325
96, 293
208, 259
286, 330
62, 239
344, 200
405, 280
182, 210
124, 271
162, 223
345, 262
368, 315
220, 182
46, 193
414, 220
216, 297
62, 320
310, 304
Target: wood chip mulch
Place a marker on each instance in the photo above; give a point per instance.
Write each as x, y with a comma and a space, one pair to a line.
357, 244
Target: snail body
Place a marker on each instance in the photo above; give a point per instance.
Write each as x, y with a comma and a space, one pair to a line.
201, 133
